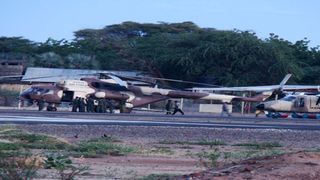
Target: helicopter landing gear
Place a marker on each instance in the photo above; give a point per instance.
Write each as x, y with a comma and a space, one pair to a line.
51, 107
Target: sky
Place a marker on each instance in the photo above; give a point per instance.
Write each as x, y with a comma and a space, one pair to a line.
38, 20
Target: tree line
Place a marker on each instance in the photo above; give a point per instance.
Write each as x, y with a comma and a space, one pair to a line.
175, 50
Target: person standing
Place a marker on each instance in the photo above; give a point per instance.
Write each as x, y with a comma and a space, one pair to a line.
177, 108
168, 107
90, 105
41, 103
100, 106
122, 105
82, 105
225, 109
75, 104
110, 105
104, 105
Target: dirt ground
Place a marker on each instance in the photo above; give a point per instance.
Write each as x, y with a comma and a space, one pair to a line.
181, 162
184, 161
168, 154
299, 165
149, 159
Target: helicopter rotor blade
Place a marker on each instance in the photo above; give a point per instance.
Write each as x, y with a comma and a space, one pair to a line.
183, 81
119, 81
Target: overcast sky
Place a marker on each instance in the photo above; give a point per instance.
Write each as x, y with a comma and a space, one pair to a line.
38, 20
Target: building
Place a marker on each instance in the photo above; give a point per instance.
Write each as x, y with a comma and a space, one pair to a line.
11, 67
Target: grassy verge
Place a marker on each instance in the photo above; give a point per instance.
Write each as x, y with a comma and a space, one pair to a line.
262, 145
204, 142
94, 149
52, 152
158, 176
15, 139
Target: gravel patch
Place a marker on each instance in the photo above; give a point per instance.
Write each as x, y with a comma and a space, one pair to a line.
288, 138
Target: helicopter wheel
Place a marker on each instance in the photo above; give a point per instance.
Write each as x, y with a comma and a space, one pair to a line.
51, 107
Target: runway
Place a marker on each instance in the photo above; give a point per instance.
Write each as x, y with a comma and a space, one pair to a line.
154, 119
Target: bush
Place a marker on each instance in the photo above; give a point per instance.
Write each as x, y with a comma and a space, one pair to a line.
9, 146
103, 148
212, 156
18, 165
64, 166
262, 145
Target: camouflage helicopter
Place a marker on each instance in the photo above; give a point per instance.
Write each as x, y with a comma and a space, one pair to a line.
304, 102
116, 88
295, 98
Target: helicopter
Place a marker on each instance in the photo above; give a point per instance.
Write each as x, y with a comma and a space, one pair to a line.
117, 88
304, 102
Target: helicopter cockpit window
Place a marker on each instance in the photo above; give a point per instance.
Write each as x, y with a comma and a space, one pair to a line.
40, 90
301, 102
29, 90
289, 98
95, 84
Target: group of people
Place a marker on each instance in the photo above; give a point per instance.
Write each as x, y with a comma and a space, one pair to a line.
101, 105
176, 108
92, 105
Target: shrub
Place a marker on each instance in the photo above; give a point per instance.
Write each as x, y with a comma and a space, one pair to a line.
64, 166
18, 165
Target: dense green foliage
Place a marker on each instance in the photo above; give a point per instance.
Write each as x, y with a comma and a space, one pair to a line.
178, 50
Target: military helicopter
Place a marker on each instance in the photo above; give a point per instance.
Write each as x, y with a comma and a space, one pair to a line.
116, 88
295, 98
304, 102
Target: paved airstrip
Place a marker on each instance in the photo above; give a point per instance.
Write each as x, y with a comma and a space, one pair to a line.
154, 119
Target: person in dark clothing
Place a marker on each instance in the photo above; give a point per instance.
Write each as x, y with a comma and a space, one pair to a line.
75, 104
225, 109
100, 106
110, 105
41, 103
104, 105
82, 105
168, 107
177, 108
122, 105
95, 105
90, 105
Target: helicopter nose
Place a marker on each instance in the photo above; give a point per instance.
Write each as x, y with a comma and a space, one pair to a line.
26, 94
260, 106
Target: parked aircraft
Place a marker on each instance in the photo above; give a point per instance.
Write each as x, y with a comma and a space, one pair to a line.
297, 103
121, 91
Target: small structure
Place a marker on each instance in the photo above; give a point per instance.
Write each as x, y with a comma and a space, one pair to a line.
11, 67
213, 108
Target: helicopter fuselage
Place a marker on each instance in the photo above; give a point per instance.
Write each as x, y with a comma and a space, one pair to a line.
293, 103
